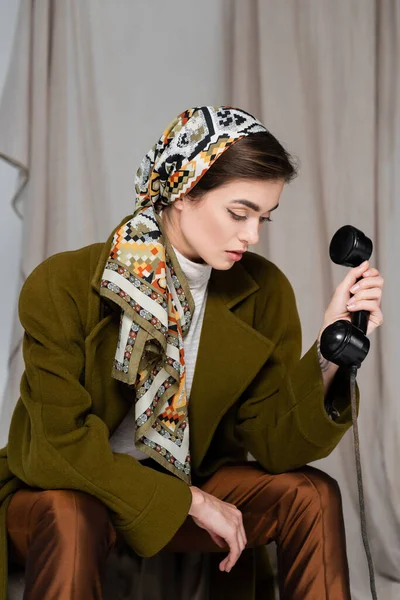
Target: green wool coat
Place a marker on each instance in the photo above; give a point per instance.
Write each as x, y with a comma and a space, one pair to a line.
250, 393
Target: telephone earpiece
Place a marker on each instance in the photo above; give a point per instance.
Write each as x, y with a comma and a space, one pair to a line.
345, 343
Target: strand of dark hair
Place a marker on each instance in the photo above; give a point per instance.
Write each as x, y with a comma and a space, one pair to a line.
257, 156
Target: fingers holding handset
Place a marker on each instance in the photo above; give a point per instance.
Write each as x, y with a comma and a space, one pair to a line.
361, 289
223, 522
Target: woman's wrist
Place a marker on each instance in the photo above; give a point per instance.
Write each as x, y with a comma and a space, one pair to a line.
328, 368
197, 499
326, 365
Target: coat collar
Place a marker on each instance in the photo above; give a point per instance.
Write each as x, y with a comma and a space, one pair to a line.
98, 273
230, 353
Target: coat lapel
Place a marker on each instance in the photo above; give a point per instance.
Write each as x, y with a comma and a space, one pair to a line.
230, 354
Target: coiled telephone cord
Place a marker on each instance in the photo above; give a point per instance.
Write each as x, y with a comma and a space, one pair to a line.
353, 375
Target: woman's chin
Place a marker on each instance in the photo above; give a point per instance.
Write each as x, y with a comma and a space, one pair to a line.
222, 265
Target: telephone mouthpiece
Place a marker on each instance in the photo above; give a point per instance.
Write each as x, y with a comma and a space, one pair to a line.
344, 344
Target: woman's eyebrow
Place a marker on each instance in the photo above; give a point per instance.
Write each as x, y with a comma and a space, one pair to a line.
252, 205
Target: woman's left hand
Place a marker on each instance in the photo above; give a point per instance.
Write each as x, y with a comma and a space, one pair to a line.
351, 296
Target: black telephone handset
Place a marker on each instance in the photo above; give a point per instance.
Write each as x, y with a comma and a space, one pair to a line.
346, 345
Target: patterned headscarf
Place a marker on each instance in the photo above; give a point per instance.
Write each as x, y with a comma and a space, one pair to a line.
142, 275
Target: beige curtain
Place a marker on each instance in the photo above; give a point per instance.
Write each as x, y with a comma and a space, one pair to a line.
90, 87
324, 76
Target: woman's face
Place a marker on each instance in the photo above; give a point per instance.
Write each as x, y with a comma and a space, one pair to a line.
225, 220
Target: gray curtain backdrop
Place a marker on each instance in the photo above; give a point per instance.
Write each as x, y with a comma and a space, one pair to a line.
91, 86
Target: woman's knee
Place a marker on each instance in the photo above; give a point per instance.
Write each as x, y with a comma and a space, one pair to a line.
70, 511
324, 488
57, 519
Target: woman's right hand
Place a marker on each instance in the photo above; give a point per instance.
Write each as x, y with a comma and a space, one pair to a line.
223, 522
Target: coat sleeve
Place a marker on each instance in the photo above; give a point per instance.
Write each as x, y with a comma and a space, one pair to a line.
281, 419
56, 442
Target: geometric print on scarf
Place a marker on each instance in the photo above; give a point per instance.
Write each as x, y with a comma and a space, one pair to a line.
154, 317
143, 277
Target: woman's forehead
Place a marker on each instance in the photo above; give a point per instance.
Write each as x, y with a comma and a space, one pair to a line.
257, 195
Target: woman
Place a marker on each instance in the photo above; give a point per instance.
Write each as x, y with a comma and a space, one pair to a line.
91, 455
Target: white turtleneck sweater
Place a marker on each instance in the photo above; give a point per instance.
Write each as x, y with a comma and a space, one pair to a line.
197, 276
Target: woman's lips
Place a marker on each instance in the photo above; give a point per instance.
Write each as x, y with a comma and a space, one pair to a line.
234, 255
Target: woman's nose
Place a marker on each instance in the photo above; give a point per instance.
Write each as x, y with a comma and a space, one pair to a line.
250, 236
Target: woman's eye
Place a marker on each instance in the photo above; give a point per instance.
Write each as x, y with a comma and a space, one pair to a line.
236, 217
243, 218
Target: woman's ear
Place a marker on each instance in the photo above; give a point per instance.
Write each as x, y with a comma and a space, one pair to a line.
179, 204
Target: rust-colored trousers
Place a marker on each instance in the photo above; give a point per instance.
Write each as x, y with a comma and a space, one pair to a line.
63, 536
